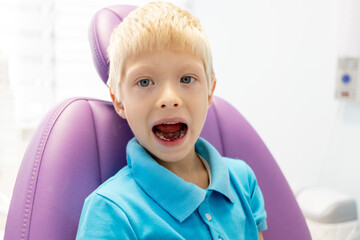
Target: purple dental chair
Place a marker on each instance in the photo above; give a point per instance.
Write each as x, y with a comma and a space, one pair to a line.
81, 143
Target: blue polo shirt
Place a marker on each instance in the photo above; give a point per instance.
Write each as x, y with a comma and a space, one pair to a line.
146, 201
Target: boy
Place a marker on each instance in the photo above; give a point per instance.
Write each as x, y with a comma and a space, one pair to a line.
176, 185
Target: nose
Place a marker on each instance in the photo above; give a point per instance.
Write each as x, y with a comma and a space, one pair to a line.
169, 98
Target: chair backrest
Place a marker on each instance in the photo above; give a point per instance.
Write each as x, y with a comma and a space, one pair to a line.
81, 143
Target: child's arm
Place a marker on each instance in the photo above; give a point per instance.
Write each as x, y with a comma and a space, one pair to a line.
260, 236
257, 204
102, 219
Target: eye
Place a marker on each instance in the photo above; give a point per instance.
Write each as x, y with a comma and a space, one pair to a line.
187, 79
145, 83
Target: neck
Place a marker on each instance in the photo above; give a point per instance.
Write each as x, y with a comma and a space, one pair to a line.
191, 169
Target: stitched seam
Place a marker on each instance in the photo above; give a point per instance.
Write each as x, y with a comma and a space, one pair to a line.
97, 144
36, 167
95, 46
115, 14
95, 43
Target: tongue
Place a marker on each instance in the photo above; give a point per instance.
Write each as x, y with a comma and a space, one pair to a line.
169, 128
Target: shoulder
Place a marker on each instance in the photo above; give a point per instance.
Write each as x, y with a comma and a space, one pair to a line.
102, 213
241, 175
121, 178
238, 168
117, 188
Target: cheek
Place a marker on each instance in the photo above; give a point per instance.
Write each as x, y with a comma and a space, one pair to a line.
201, 99
137, 116
199, 108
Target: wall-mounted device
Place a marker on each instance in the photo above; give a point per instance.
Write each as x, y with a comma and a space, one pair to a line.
347, 79
347, 86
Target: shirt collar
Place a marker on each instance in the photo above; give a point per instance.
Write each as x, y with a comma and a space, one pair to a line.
220, 180
178, 197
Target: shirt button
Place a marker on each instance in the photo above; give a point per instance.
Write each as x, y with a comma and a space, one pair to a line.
208, 216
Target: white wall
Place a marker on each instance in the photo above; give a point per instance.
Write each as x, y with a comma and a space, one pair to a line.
276, 62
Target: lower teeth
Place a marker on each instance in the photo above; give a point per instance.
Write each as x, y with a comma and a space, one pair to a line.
161, 136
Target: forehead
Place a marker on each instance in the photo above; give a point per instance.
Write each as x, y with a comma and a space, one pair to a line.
163, 60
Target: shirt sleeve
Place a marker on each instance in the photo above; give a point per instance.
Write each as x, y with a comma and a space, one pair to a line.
103, 219
257, 202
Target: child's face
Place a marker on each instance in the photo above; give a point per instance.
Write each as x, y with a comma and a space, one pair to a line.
164, 97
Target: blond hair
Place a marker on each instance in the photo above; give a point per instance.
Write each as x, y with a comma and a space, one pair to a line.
156, 26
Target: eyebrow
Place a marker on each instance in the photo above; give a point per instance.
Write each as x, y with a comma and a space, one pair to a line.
196, 67
194, 64
141, 68
147, 68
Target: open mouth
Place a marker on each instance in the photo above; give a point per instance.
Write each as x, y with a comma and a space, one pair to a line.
170, 131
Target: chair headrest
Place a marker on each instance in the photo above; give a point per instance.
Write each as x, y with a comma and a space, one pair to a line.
101, 27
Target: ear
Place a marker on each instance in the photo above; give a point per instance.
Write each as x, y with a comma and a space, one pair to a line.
118, 105
212, 92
